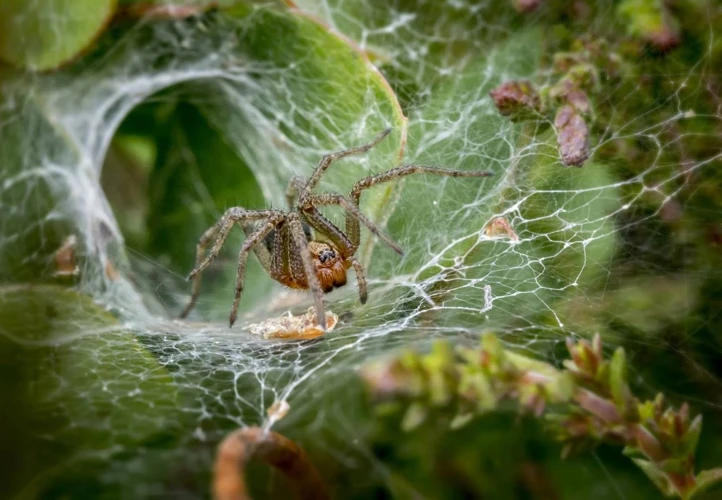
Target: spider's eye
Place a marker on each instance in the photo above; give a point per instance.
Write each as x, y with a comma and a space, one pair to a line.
325, 255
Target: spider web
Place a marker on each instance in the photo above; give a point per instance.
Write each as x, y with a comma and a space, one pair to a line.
571, 227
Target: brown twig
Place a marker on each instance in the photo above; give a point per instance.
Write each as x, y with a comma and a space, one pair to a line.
239, 447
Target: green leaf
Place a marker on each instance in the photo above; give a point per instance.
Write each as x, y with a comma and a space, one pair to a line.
32, 192
618, 383
445, 217
574, 209
460, 33
414, 416
691, 438
178, 3
657, 476
708, 479
564, 219
77, 393
648, 19
45, 34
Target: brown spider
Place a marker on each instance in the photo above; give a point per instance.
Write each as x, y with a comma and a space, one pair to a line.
289, 252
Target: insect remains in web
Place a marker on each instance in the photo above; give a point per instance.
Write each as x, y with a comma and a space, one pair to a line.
300, 248
288, 326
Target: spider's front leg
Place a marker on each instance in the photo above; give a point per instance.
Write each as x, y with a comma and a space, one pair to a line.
341, 244
352, 223
363, 293
295, 186
352, 212
302, 256
251, 241
219, 231
327, 160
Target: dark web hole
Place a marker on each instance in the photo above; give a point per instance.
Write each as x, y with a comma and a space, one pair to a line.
169, 174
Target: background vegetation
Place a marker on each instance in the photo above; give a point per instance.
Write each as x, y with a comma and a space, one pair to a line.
126, 127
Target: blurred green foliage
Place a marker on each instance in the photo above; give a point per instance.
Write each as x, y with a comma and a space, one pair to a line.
46, 34
78, 386
587, 401
648, 280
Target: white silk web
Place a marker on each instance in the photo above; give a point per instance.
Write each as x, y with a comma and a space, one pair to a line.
518, 253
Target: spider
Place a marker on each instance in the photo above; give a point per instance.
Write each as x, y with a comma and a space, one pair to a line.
285, 245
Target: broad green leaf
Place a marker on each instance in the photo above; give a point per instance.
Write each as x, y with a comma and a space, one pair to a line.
433, 212
31, 190
80, 387
563, 218
44, 34
451, 33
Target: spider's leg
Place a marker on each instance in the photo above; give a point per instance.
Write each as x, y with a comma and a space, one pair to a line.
309, 269
361, 279
223, 228
352, 226
332, 157
251, 241
328, 229
200, 250
352, 211
219, 231
262, 251
295, 186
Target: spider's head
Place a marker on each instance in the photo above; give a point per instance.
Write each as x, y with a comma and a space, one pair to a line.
330, 266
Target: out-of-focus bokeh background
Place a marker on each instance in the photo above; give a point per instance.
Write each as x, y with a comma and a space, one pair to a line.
128, 127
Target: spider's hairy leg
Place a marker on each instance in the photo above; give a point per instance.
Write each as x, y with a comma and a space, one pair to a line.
219, 231
352, 226
361, 279
352, 211
222, 228
251, 241
309, 269
332, 157
404, 170
323, 226
262, 252
295, 186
